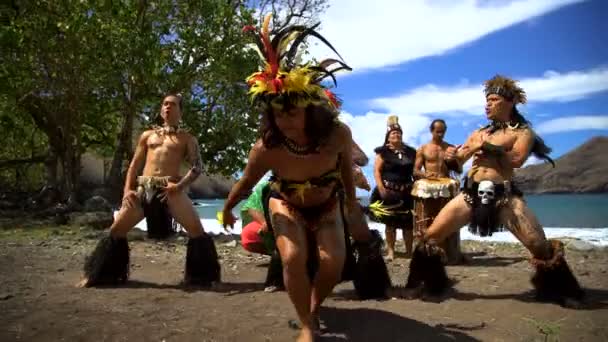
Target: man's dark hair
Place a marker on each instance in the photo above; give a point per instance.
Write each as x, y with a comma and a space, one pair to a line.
539, 148
179, 96
432, 126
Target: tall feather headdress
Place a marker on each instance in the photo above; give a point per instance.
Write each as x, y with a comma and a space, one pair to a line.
282, 80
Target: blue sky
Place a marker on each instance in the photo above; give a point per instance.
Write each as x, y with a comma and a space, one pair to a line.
427, 59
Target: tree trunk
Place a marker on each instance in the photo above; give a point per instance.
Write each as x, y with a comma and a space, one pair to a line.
50, 164
123, 150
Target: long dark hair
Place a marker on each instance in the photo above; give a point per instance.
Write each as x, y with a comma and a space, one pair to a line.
539, 148
320, 123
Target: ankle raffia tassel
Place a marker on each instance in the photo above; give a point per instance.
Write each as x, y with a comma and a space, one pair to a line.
202, 265
371, 278
553, 279
108, 264
427, 267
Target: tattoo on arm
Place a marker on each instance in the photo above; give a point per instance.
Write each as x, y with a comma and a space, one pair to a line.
254, 170
521, 149
193, 157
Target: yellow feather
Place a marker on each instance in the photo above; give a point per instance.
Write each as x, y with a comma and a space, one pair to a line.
392, 119
266, 25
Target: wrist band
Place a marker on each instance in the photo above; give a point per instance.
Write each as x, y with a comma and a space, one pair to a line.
491, 148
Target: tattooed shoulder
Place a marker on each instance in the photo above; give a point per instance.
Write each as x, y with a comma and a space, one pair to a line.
193, 155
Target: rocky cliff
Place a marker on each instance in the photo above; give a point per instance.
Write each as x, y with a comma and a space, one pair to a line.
582, 170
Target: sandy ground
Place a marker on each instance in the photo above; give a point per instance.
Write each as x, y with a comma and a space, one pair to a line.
491, 301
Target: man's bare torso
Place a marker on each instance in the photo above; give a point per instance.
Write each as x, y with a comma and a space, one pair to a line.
165, 153
492, 167
434, 159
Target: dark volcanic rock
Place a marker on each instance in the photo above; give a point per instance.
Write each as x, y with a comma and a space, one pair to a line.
582, 170
212, 186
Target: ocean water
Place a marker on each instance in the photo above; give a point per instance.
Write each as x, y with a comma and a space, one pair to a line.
581, 216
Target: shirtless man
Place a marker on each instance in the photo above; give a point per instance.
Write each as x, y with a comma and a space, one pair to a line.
434, 187
161, 152
489, 200
431, 156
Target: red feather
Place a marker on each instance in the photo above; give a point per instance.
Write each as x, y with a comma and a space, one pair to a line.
332, 98
248, 28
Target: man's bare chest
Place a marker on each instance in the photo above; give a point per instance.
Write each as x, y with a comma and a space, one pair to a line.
166, 144
434, 153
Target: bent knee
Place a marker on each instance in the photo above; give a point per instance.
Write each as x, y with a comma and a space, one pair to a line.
359, 231
119, 229
334, 260
293, 261
434, 232
194, 229
540, 248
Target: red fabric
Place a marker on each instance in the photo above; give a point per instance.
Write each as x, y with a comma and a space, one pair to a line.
250, 235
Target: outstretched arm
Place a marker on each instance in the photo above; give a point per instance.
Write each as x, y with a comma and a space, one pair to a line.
139, 158
254, 170
193, 157
346, 166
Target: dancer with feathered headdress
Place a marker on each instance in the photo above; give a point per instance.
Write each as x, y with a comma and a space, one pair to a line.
309, 152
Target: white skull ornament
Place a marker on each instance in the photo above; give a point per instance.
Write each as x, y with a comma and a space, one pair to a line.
485, 191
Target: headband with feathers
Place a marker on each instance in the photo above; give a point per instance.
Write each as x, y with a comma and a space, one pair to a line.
506, 88
282, 80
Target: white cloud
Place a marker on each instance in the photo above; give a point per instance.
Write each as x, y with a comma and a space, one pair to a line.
466, 99
368, 130
573, 123
391, 32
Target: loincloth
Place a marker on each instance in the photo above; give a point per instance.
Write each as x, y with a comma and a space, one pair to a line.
486, 203
311, 215
149, 186
156, 211
435, 188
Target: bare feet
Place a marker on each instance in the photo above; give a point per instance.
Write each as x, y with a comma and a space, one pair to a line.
306, 335
390, 256
83, 283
